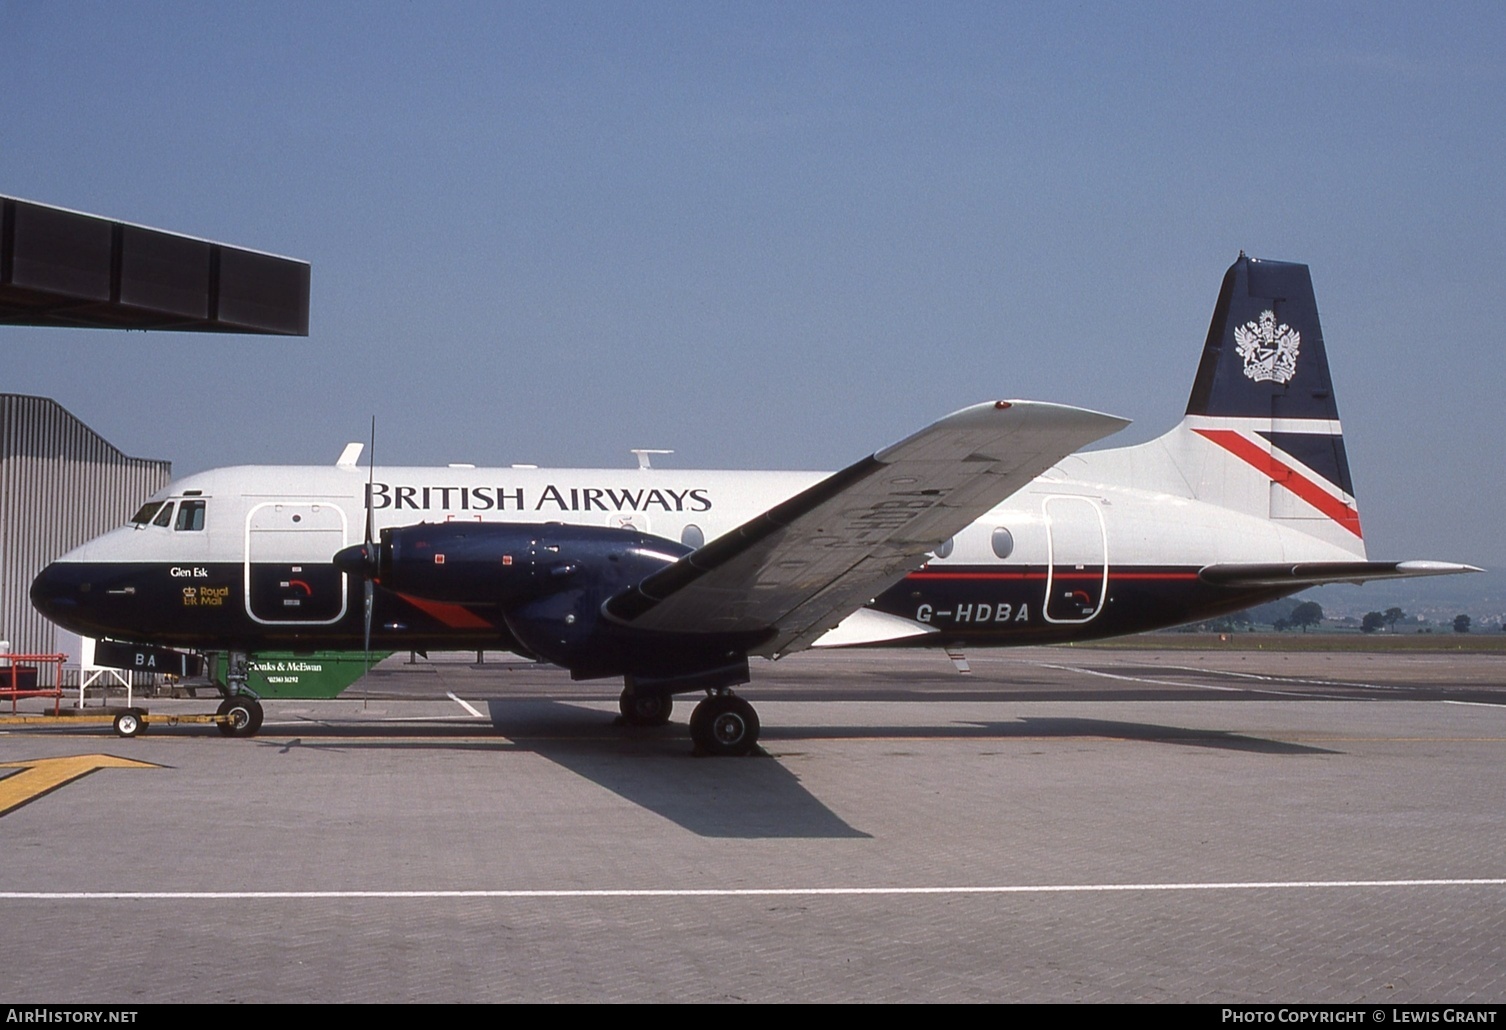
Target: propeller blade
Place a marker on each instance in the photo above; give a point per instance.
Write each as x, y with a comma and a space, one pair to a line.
368, 553
370, 479
370, 592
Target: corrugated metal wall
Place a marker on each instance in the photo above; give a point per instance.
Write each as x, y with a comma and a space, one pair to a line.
61, 484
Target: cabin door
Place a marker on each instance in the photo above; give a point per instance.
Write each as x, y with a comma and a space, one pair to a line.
1077, 570
289, 576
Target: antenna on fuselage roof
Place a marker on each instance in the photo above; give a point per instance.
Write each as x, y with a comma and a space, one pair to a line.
643, 454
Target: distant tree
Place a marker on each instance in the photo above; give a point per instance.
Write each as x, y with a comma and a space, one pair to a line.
1461, 623
1308, 613
1373, 621
1392, 617
1267, 614
1281, 625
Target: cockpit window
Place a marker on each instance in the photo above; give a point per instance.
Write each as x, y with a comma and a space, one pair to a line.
144, 516
190, 516
165, 516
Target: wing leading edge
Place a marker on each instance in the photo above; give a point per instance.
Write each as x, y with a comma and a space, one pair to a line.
802, 566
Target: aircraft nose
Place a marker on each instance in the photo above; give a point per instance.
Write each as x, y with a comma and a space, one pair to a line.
55, 591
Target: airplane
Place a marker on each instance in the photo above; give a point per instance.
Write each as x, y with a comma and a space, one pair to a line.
989, 527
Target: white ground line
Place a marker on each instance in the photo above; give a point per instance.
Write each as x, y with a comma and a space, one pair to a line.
1230, 673
1294, 680
464, 704
734, 892
1281, 679
1161, 683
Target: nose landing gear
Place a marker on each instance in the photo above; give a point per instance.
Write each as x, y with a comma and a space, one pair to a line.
242, 711
243, 715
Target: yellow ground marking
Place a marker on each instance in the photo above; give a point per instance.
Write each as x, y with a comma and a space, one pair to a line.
43, 775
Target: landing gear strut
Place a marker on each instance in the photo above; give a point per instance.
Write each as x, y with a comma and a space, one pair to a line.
242, 710
645, 709
724, 725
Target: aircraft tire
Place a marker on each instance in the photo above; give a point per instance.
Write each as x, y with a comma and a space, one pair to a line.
245, 716
645, 709
129, 723
257, 714
724, 726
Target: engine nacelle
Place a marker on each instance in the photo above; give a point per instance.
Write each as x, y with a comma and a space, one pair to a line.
507, 563
548, 583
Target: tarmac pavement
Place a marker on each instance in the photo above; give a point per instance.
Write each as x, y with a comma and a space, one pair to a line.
1059, 825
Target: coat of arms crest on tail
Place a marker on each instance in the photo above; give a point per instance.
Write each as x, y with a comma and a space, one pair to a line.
1269, 351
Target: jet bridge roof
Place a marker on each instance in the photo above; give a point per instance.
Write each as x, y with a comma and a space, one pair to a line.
67, 268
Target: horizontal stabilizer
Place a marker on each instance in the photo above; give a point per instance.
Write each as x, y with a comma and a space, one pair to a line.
1289, 574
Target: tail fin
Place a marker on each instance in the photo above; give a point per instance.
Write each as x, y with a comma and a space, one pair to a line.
1264, 401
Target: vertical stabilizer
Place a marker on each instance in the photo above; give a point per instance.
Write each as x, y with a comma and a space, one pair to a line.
1262, 431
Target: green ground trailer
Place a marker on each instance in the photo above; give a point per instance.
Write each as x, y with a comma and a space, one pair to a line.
321, 674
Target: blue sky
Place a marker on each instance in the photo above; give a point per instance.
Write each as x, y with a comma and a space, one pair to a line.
779, 235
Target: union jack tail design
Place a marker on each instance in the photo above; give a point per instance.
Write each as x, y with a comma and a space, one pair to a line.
1262, 433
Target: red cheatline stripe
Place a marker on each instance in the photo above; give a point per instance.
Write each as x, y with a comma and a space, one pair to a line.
1251, 453
976, 575
452, 615
1114, 575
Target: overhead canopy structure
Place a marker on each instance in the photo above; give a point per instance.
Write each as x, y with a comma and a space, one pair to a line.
65, 268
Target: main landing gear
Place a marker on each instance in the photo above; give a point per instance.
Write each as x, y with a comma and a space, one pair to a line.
645, 709
241, 709
724, 725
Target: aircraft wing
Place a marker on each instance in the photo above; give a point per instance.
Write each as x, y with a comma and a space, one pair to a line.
799, 568
1298, 574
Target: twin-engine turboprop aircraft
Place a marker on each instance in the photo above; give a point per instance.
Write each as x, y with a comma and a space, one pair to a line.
986, 528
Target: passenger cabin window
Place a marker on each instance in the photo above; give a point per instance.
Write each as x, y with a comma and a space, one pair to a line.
165, 516
191, 516
1003, 542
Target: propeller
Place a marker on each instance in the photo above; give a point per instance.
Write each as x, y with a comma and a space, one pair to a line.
362, 559
369, 600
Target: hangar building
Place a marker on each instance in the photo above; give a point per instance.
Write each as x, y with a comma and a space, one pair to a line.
61, 484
